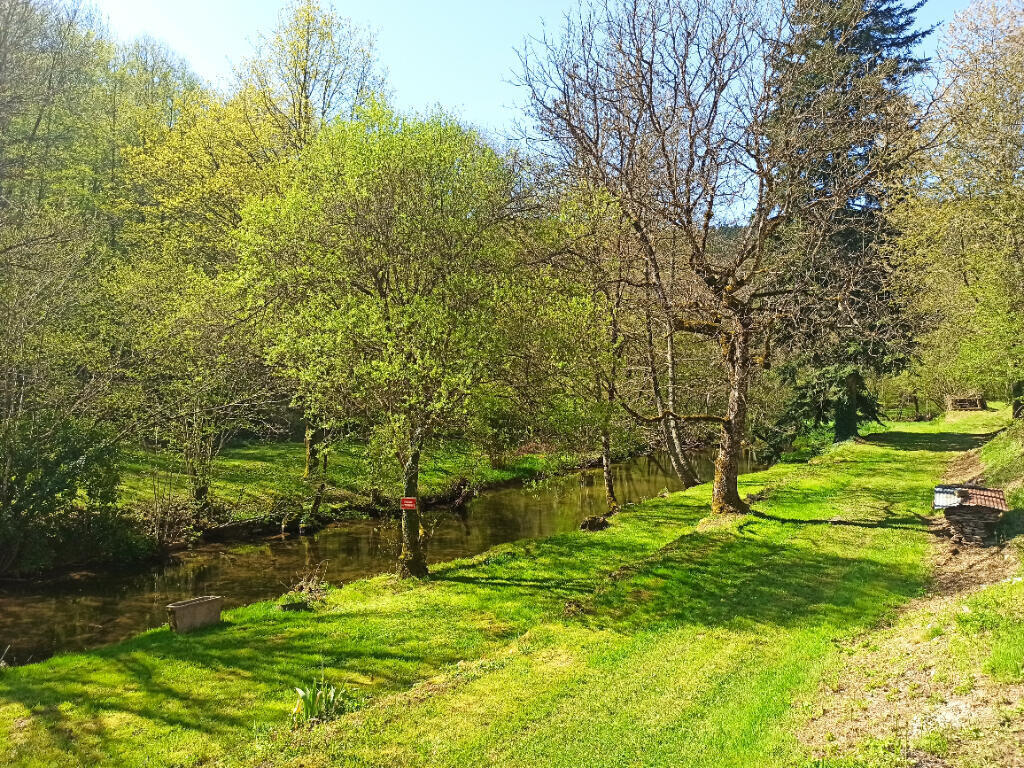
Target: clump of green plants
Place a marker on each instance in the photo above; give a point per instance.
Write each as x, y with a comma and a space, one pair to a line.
321, 702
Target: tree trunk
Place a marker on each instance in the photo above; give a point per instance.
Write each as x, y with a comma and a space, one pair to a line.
1018, 399
670, 427
314, 510
606, 466
726, 496
314, 436
412, 561
845, 408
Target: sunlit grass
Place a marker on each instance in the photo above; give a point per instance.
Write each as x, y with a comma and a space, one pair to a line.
247, 478
656, 642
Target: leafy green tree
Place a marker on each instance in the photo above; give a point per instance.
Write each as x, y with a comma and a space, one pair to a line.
378, 274
962, 214
196, 376
51, 63
57, 442
185, 193
316, 66
57, 437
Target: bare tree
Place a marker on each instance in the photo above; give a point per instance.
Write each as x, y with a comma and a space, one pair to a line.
690, 114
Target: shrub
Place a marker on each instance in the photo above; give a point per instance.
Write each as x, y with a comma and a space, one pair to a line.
293, 601
57, 507
311, 584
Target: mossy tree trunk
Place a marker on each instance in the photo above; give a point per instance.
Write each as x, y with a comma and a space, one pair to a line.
606, 467
726, 496
314, 438
412, 561
1018, 399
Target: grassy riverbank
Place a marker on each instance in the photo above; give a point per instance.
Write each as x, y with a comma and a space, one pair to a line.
669, 639
249, 478
1002, 463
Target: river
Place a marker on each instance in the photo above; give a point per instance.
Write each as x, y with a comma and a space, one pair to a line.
85, 611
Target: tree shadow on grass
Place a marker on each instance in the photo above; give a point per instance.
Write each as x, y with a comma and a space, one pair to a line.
910, 522
721, 579
929, 441
206, 689
200, 694
203, 692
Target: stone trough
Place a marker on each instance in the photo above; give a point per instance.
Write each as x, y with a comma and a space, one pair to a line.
188, 615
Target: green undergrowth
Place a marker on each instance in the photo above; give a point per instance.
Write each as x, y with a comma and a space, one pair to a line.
668, 639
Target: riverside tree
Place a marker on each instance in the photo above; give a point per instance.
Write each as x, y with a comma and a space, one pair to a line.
314, 67
677, 109
58, 472
198, 382
377, 277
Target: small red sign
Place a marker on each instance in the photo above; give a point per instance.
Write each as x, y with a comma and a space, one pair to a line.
408, 502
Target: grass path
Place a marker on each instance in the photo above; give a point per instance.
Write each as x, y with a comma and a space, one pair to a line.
663, 640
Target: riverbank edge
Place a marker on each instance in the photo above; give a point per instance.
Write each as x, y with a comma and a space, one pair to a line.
260, 528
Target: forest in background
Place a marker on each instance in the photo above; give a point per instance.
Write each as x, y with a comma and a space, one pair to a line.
729, 223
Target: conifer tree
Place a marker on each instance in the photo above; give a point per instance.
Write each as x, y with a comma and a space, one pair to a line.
850, 321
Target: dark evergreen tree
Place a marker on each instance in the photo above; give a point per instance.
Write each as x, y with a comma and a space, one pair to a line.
849, 320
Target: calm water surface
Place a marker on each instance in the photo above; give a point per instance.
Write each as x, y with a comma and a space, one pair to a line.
37, 621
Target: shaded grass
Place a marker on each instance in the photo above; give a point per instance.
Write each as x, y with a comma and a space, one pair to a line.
655, 642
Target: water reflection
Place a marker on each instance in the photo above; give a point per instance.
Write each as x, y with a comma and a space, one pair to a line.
37, 621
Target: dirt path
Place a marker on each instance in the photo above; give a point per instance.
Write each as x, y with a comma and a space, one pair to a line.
923, 692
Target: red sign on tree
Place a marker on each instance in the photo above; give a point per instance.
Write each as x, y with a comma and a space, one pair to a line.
408, 502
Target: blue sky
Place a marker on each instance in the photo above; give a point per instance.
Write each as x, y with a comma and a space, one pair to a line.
456, 53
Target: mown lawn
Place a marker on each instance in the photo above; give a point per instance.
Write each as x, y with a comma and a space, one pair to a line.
247, 478
663, 640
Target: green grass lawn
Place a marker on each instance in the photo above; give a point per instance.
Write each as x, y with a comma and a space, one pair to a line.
248, 478
661, 641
